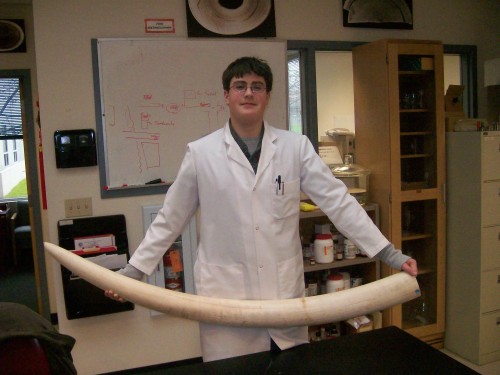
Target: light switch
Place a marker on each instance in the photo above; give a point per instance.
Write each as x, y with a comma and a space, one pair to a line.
78, 207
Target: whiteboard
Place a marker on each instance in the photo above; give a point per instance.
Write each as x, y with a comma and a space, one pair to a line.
153, 96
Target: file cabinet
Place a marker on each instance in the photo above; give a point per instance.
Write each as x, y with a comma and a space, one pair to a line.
473, 257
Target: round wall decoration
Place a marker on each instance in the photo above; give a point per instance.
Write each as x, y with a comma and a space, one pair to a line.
11, 35
230, 17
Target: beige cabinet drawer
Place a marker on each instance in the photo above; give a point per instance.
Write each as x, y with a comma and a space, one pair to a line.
490, 203
490, 290
491, 158
489, 340
490, 242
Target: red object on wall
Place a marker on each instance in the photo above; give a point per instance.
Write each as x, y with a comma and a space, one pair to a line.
40, 159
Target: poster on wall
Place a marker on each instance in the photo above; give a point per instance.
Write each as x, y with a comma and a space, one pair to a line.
382, 14
231, 18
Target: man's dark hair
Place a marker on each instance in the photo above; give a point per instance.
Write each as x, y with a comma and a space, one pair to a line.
248, 65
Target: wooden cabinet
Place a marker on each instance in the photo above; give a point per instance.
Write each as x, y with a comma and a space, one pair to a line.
361, 268
473, 262
399, 114
307, 222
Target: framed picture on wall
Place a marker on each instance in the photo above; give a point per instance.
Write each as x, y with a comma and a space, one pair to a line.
231, 18
12, 36
382, 14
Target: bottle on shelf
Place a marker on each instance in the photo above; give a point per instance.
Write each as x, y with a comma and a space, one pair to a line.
350, 249
323, 248
335, 283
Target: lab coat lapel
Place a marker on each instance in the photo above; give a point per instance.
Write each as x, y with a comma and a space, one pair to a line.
267, 151
234, 151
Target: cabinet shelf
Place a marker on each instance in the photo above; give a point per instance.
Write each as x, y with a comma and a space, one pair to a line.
415, 236
411, 134
423, 270
336, 264
415, 72
416, 156
368, 269
415, 185
369, 207
413, 110
373, 210
311, 214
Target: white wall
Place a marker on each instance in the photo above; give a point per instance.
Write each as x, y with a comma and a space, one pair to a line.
335, 91
63, 29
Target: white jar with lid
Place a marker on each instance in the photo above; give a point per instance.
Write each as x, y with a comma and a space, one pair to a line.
335, 283
347, 279
349, 249
323, 248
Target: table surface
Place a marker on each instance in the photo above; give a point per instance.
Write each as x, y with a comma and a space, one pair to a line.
387, 350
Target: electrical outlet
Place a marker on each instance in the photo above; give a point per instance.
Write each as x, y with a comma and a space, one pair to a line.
78, 207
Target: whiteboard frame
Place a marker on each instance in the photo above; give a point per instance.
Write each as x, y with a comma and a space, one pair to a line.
101, 144
127, 191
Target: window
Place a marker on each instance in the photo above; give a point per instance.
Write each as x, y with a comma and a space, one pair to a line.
294, 93
6, 153
11, 125
12, 167
15, 150
324, 71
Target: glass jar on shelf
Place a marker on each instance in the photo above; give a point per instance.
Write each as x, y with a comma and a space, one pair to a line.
355, 177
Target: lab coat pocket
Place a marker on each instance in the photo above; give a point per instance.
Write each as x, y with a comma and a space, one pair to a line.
291, 280
286, 199
221, 281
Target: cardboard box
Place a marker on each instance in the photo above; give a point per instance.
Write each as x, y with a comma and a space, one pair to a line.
453, 99
329, 152
359, 324
94, 242
451, 118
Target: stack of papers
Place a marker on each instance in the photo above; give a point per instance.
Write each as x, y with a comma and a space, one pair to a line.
112, 262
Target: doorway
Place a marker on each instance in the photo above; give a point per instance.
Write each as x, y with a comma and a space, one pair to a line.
24, 278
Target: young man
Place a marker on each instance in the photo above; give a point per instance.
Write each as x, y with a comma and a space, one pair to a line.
246, 180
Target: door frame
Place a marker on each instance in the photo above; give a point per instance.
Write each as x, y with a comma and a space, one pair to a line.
32, 179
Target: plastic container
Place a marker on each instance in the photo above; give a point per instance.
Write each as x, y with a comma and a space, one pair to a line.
355, 177
347, 279
350, 249
312, 286
335, 283
323, 248
356, 281
337, 248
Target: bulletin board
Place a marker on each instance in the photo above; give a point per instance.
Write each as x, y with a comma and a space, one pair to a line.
153, 96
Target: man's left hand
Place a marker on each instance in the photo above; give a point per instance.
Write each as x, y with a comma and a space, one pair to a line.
410, 267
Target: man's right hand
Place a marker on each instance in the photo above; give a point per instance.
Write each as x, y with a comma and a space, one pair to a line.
114, 296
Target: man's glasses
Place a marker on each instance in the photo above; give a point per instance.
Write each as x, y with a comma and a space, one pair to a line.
241, 87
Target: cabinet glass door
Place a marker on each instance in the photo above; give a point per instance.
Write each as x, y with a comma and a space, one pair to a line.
419, 240
417, 122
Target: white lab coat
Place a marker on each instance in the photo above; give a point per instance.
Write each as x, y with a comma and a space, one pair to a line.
249, 245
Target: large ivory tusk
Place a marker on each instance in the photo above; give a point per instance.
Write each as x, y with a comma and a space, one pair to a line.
332, 307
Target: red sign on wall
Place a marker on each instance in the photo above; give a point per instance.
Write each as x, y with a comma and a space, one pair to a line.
159, 26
